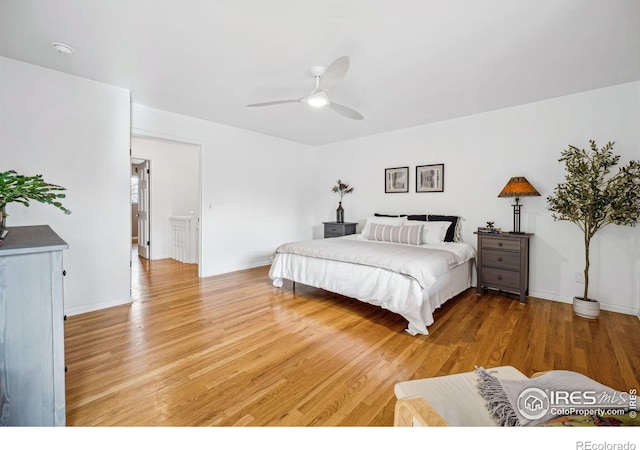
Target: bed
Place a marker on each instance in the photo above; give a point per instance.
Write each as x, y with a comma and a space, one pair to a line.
407, 266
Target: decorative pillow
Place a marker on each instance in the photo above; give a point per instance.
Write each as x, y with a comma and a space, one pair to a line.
386, 215
451, 231
402, 234
395, 221
434, 232
422, 217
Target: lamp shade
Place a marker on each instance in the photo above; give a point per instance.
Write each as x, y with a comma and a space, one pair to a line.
518, 187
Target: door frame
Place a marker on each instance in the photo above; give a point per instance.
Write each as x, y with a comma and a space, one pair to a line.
137, 132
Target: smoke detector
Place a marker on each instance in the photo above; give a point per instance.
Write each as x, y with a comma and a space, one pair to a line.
62, 48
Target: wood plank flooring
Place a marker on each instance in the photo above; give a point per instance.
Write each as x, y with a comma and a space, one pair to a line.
234, 350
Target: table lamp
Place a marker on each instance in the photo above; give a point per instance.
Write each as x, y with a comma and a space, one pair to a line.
518, 187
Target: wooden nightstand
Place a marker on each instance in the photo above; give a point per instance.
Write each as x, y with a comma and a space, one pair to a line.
503, 263
335, 229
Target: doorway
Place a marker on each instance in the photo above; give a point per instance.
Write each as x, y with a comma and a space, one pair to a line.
172, 183
140, 207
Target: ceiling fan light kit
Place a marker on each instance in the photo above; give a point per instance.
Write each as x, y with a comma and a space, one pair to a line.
325, 79
318, 100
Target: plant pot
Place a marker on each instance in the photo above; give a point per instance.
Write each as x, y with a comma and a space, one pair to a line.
589, 309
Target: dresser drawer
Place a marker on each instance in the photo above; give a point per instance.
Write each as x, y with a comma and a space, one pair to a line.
501, 259
503, 263
503, 244
500, 278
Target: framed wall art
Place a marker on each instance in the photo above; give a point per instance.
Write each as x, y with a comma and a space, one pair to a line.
396, 179
430, 178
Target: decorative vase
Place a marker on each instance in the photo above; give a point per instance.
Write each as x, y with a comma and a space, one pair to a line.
3, 220
589, 309
340, 213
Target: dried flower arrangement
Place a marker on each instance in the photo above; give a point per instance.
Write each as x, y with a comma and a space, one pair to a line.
342, 189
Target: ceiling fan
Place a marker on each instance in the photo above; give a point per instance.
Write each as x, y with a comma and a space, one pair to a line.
325, 80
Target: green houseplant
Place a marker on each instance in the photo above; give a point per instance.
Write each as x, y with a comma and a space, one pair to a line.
22, 189
592, 197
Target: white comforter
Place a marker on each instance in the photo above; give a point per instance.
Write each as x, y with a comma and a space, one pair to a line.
389, 275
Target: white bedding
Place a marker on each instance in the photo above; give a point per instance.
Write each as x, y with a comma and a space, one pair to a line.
401, 278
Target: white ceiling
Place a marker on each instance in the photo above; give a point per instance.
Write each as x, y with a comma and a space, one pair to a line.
412, 61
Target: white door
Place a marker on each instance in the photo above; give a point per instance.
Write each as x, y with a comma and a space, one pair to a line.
144, 239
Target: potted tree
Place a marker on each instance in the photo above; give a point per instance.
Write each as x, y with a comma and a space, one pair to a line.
23, 189
592, 197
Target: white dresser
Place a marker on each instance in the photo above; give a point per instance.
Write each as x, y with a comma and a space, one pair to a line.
32, 369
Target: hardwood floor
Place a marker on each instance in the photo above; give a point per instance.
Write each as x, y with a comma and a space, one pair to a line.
234, 350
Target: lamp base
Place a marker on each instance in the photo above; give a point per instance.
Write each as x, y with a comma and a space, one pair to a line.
516, 232
516, 217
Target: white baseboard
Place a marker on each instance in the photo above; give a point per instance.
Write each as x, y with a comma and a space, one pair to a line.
249, 265
96, 307
259, 263
267, 262
604, 306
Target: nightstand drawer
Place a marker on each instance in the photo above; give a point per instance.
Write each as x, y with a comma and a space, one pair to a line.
334, 229
501, 259
337, 229
501, 244
500, 278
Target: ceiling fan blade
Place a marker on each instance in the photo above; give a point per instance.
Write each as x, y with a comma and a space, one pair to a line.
334, 73
346, 111
277, 102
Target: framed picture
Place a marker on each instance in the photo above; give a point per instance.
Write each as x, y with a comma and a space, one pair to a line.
396, 179
430, 178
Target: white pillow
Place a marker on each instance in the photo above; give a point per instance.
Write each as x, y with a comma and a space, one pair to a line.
394, 221
434, 232
402, 234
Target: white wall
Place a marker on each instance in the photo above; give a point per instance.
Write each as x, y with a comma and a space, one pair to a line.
175, 186
256, 190
75, 132
480, 154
